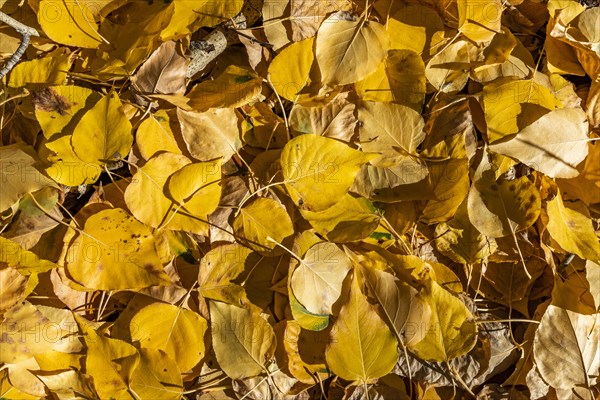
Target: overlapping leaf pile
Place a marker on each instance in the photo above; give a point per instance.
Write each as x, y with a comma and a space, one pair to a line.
391, 202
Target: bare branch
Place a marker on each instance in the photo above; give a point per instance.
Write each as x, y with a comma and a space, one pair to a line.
26, 33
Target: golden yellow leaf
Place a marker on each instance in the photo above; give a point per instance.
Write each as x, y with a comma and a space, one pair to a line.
235, 87
389, 129
212, 134
288, 78
350, 219
72, 23
242, 340
165, 194
349, 48
479, 21
104, 132
110, 361
155, 134
453, 332
362, 347
555, 144
572, 228
56, 107
176, 331
317, 281
115, 252
513, 105
501, 207
49, 70
262, 224
19, 175
318, 180
156, 376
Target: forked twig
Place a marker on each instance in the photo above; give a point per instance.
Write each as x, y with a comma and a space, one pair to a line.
26, 33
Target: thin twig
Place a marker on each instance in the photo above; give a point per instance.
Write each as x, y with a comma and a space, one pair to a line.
26, 33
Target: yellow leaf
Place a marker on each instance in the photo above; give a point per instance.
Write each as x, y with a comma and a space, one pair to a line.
399, 79
188, 16
577, 336
289, 78
56, 106
133, 33
72, 23
389, 129
305, 352
218, 269
212, 134
164, 194
350, 219
155, 134
115, 252
242, 340
362, 347
156, 376
306, 319
348, 48
501, 207
110, 361
104, 132
479, 21
69, 384
318, 180
461, 241
453, 332
235, 87
448, 70
26, 262
19, 175
28, 330
49, 70
176, 331
317, 281
67, 168
412, 26
572, 228
13, 284
403, 307
513, 105
554, 144
262, 224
